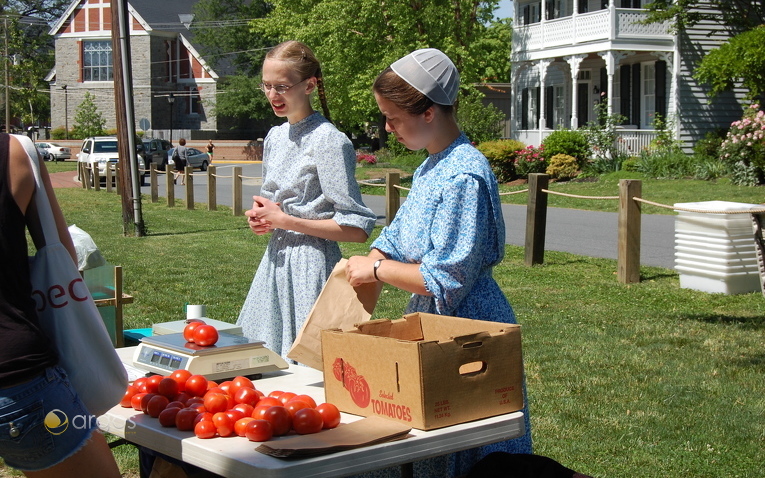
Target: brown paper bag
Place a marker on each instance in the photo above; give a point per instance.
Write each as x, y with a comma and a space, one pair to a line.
339, 306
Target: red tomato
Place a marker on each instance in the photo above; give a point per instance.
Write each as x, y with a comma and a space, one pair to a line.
180, 376
275, 393
168, 387
145, 402
247, 395
330, 415
280, 420
269, 401
211, 384
140, 384
204, 429
152, 383
294, 405
307, 420
203, 416
184, 419
167, 416
286, 397
196, 385
240, 382
216, 402
259, 412
259, 430
307, 399
205, 335
129, 392
135, 401
234, 414
188, 330
241, 425
223, 424
156, 405
226, 387
244, 408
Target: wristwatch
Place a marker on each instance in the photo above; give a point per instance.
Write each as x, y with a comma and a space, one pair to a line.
377, 264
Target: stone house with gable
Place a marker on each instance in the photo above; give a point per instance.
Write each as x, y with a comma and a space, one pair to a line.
166, 66
569, 55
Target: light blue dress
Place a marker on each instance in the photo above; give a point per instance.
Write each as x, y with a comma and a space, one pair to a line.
309, 168
451, 224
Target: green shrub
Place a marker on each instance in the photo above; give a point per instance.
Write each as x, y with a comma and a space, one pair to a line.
568, 142
478, 121
501, 155
709, 146
562, 166
667, 164
59, 133
631, 164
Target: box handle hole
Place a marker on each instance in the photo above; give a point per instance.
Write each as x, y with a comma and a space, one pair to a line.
473, 368
471, 345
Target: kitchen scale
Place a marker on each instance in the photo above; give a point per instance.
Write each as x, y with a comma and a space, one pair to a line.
231, 356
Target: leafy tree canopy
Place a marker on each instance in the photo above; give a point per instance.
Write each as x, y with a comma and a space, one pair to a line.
30, 55
357, 40
735, 15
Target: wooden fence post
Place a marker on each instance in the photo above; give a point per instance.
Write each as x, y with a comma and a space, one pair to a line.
237, 190
392, 196
628, 256
536, 219
212, 200
170, 186
96, 175
82, 174
189, 180
108, 180
153, 183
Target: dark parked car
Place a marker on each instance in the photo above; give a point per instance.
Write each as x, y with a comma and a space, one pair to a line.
155, 151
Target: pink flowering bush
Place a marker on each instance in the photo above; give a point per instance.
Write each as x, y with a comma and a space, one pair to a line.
744, 148
365, 158
530, 160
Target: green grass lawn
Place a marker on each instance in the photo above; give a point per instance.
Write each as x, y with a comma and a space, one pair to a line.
645, 379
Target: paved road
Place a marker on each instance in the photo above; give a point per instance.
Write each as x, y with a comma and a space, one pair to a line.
586, 233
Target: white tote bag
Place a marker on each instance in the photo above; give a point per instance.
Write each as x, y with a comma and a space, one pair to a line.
68, 314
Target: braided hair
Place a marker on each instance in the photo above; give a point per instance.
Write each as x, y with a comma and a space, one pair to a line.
305, 63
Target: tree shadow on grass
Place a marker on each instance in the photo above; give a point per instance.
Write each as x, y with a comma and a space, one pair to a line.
743, 322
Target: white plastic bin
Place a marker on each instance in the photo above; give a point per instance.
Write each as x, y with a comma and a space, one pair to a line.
715, 252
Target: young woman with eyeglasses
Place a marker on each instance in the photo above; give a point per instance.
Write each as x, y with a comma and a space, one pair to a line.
309, 200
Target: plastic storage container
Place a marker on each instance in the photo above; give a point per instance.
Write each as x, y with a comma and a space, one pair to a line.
715, 252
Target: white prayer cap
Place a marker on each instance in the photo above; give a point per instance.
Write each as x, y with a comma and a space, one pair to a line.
431, 73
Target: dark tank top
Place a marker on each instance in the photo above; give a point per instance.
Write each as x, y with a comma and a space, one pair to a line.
24, 349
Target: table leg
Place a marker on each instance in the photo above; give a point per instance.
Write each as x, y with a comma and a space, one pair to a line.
407, 470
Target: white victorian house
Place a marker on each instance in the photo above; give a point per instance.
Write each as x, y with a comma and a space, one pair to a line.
568, 55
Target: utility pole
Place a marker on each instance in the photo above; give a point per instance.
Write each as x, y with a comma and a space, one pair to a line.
130, 187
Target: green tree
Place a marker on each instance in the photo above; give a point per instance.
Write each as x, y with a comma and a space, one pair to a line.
355, 41
222, 29
740, 59
30, 55
88, 121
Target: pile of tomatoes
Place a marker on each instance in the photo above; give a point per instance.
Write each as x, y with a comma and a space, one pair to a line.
234, 407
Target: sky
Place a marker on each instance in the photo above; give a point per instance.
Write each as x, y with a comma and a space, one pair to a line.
505, 9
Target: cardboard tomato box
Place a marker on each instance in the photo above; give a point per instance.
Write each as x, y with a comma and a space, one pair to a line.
425, 370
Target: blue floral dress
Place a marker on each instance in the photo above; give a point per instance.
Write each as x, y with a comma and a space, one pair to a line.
309, 168
451, 224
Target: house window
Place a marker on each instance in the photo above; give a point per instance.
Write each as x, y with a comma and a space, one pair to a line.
532, 13
97, 61
649, 95
560, 106
194, 101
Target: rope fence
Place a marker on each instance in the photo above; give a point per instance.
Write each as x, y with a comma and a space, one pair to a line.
628, 257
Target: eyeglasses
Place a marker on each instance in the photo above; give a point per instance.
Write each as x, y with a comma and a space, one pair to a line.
280, 89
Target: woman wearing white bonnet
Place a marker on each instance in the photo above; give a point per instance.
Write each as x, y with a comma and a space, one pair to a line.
449, 233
